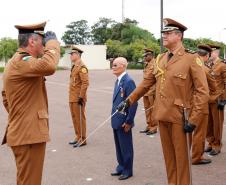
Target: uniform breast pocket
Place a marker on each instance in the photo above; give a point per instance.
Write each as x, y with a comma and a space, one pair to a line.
179, 79
43, 121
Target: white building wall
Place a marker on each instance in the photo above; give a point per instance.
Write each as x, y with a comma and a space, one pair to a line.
94, 57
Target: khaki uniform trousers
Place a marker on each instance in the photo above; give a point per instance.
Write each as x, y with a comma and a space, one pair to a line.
198, 139
29, 162
148, 102
215, 127
80, 133
174, 147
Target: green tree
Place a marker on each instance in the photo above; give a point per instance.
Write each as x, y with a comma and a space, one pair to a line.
62, 51
78, 33
115, 49
8, 47
101, 31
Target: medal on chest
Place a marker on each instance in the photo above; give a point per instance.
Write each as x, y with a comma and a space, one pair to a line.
121, 92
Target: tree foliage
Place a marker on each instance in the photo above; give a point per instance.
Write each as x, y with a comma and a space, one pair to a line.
78, 33
122, 39
102, 30
8, 47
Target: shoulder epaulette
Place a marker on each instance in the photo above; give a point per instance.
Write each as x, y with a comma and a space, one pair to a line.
23, 53
190, 51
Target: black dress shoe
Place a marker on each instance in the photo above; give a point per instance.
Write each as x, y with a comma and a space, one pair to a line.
72, 142
79, 145
115, 173
151, 132
214, 152
208, 149
203, 161
124, 177
144, 131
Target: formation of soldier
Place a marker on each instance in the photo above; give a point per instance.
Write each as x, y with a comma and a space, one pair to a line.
183, 93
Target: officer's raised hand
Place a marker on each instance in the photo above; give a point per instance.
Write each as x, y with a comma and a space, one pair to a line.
49, 35
80, 101
189, 127
123, 105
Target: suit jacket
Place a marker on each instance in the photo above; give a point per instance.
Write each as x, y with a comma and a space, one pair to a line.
125, 87
25, 97
79, 82
177, 81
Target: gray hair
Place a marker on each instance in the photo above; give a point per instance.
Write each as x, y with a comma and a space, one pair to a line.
24, 37
122, 61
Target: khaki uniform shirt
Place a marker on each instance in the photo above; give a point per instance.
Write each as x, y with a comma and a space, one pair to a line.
219, 72
149, 66
24, 95
79, 82
177, 81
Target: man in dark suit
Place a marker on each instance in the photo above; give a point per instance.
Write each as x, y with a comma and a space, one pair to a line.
122, 122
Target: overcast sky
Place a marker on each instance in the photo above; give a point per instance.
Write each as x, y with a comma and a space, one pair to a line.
204, 18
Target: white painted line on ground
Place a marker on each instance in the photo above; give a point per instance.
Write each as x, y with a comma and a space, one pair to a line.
53, 150
151, 136
89, 179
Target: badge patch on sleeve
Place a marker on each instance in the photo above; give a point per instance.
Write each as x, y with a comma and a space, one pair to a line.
84, 70
198, 61
26, 58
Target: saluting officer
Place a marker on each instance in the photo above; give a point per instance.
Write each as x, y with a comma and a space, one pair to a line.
79, 82
216, 106
180, 79
149, 97
25, 99
199, 135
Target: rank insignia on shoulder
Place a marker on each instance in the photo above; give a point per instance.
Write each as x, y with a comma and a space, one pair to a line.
190, 51
84, 70
26, 58
198, 61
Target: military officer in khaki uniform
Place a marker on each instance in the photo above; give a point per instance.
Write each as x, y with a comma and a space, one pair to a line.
79, 82
199, 135
179, 76
25, 99
149, 97
216, 106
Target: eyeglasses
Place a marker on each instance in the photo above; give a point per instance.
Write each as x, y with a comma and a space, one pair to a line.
115, 65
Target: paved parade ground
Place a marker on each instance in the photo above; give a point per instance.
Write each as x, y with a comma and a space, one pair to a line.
93, 163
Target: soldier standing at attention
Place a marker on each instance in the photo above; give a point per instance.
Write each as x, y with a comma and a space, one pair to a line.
199, 135
79, 82
216, 106
149, 97
179, 76
25, 99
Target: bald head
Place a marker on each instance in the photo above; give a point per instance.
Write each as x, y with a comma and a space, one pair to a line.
122, 61
119, 65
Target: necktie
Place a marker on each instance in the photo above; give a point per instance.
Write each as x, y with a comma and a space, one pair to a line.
169, 56
116, 86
